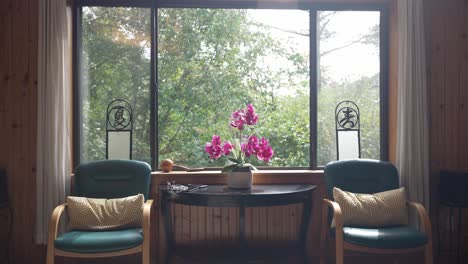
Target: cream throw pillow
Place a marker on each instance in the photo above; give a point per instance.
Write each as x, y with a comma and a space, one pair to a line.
372, 210
105, 214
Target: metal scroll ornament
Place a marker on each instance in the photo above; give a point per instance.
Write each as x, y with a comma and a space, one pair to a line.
348, 130
119, 130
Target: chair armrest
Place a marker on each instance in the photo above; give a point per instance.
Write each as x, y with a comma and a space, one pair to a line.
54, 222
422, 215
337, 214
338, 217
147, 207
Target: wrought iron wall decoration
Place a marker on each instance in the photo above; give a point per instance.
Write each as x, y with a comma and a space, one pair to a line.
119, 130
348, 130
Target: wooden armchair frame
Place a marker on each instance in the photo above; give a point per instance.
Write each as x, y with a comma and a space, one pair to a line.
144, 248
341, 245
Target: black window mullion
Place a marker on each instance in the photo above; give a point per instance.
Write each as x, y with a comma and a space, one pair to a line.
384, 68
116, 3
154, 144
77, 113
313, 83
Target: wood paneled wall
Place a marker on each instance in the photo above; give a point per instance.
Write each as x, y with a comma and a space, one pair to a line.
18, 103
447, 49
447, 43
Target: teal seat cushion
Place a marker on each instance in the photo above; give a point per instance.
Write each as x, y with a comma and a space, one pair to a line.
385, 238
99, 241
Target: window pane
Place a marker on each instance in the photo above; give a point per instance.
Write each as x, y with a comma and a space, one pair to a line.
214, 61
115, 64
349, 69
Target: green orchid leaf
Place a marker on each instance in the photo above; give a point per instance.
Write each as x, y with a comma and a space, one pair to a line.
234, 160
250, 165
229, 168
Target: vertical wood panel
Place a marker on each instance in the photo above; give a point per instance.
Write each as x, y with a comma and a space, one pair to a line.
233, 226
225, 224
209, 224
463, 113
186, 224
452, 85
447, 28
193, 223
201, 224
178, 222
249, 224
217, 223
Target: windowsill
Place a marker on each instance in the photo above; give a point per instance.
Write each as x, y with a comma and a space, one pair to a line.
259, 177
259, 172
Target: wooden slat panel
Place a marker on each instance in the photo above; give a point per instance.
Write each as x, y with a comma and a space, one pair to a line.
186, 224
217, 223
193, 224
209, 224
201, 223
178, 213
233, 226
225, 224
249, 224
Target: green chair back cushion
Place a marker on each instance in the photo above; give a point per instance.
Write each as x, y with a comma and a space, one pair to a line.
361, 176
112, 179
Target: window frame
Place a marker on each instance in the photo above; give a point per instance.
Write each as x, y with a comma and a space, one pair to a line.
313, 9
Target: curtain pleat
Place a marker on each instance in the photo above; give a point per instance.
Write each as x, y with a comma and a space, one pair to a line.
53, 113
412, 150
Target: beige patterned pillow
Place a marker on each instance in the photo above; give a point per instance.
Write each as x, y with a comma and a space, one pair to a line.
372, 210
105, 214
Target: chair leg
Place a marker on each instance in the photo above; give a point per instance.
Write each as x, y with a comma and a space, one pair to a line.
324, 250
146, 257
339, 251
50, 254
428, 257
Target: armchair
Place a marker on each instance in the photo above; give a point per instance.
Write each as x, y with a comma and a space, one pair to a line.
370, 176
105, 179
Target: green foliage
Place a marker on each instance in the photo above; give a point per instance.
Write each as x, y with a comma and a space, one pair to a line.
210, 62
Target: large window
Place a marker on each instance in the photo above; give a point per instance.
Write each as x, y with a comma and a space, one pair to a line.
184, 69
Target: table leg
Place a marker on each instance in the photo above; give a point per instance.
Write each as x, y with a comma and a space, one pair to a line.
306, 213
451, 232
165, 207
459, 234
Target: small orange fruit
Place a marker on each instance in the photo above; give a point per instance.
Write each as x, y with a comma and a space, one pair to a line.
166, 165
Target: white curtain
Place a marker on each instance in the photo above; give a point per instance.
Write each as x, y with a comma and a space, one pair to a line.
53, 113
412, 156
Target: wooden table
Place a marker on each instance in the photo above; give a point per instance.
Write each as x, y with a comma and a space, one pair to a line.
222, 196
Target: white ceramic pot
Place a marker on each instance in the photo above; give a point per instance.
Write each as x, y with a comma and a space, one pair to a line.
239, 179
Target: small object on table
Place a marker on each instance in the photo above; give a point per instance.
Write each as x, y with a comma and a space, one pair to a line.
168, 165
173, 187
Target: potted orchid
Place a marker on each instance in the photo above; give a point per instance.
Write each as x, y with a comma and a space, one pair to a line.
247, 145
